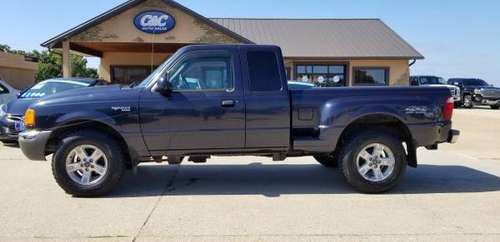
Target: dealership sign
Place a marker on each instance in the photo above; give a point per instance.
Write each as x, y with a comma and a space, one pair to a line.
154, 22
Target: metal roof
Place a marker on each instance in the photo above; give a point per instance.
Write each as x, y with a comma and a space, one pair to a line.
320, 38
306, 38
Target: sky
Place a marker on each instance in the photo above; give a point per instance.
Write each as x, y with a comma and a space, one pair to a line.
459, 38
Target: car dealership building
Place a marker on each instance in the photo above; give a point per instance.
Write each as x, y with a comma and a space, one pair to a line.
138, 35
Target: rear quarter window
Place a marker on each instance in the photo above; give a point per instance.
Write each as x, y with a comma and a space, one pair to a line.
263, 71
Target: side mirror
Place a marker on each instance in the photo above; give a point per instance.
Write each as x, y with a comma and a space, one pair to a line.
164, 86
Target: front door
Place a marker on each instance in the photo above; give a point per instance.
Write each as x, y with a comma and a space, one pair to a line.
206, 110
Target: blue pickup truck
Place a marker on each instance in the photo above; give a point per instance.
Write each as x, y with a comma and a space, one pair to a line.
233, 100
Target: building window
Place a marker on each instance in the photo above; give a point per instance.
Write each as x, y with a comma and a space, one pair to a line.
322, 75
263, 71
371, 76
126, 75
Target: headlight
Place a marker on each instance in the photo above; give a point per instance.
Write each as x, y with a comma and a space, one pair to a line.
477, 91
2, 110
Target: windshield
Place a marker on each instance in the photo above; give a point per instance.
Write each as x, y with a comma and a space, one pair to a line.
475, 82
432, 80
51, 87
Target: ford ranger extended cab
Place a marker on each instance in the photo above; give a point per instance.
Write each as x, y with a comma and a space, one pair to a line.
233, 100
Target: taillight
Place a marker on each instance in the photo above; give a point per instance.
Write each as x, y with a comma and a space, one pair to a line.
449, 105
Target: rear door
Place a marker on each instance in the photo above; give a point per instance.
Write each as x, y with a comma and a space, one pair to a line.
266, 98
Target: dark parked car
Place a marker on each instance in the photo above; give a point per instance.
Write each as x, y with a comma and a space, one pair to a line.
234, 100
435, 81
477, 92
7, 93
11, 114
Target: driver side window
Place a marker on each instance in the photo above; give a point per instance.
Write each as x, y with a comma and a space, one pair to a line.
201, 74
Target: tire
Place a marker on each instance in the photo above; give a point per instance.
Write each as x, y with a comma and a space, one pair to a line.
112, 160
351, 164
495, 107
327, 160
468, 103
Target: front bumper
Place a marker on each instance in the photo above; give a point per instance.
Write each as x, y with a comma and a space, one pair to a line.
8, 130
33, 143
486, 100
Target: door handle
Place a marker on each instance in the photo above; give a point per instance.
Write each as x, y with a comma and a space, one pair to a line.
228, 103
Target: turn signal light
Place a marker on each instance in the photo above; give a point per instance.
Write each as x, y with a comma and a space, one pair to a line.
29, 118
448, 109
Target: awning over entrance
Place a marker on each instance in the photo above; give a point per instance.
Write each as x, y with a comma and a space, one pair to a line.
148, 30
98, 48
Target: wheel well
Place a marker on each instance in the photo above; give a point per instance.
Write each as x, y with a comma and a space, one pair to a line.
59, 133
390, 123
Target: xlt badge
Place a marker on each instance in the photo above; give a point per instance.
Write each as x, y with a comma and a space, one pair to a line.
122, 109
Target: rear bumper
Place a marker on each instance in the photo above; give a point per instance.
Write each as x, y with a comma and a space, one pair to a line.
33, 142
432, 134
453, 136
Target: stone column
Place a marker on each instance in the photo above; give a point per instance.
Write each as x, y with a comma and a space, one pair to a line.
66, 59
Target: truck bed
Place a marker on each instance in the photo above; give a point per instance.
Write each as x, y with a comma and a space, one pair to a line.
320, 115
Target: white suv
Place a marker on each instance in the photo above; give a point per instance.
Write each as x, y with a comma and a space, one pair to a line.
435, 81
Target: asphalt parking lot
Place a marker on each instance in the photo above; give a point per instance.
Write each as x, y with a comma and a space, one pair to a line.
453, 195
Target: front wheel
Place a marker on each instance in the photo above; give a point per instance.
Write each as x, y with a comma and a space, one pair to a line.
88, 164
468, 103
373, 161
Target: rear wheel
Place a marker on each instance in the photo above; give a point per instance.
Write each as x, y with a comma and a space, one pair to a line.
373, 161
496, 107
88, 164
327, 160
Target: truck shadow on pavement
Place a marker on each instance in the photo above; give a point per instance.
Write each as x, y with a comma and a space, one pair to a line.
275, 180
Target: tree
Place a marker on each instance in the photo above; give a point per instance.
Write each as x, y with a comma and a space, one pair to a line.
50, 66
7, 49
50, 63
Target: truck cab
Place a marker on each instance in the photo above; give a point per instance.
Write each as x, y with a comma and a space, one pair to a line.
216, 101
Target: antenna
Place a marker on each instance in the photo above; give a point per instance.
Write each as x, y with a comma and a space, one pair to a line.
153, 50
